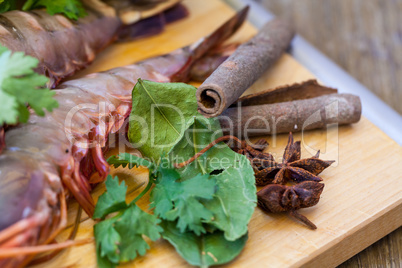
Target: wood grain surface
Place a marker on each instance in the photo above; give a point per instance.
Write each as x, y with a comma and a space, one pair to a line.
358, 205
365, 38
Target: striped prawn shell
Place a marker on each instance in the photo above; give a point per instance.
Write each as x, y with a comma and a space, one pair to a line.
61, 45
44, 157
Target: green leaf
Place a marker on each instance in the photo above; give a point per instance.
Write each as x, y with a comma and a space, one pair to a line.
9, 109
201, 133
19, 86
73, 9
160, 196
103, 262
132, 225
125, 159
107, 241
37, 99
161, 112
204, 250
114, 199
235, 200
18, 64
183, 200
120, 239
7, 5
23, 113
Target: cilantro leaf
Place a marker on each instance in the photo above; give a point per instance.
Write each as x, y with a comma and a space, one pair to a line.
132, 225
19, 86
120, 239
161, 194
7, 5
72, 9
182, 200
107, 241
131, 160
114, 199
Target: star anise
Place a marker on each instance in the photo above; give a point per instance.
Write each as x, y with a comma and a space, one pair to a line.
283, 198
292, 167
274, 197
253, 151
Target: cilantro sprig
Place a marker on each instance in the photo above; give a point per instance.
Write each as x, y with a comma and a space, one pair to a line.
21, 85
173, 200
72, 9
182, 201
120, 238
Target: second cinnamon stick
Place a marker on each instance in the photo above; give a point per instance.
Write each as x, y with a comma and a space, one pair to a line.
292, 116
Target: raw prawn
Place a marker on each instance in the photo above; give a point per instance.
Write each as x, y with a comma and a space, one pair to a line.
64, 46
47, 158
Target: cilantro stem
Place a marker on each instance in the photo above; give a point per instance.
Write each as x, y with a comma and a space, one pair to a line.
28, 5
149, 185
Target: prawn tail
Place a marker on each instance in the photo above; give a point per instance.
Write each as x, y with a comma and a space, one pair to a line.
153, 25
205, 44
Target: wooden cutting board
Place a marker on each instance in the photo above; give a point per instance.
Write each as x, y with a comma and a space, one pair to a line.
362, 198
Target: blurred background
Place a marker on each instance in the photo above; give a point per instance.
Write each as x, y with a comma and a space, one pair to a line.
364, 37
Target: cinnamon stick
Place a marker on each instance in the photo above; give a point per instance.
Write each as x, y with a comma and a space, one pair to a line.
291, 116
298, 91
243, 68
205, 66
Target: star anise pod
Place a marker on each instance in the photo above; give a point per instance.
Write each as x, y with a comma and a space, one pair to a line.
291, 168
281, 198
253, 151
